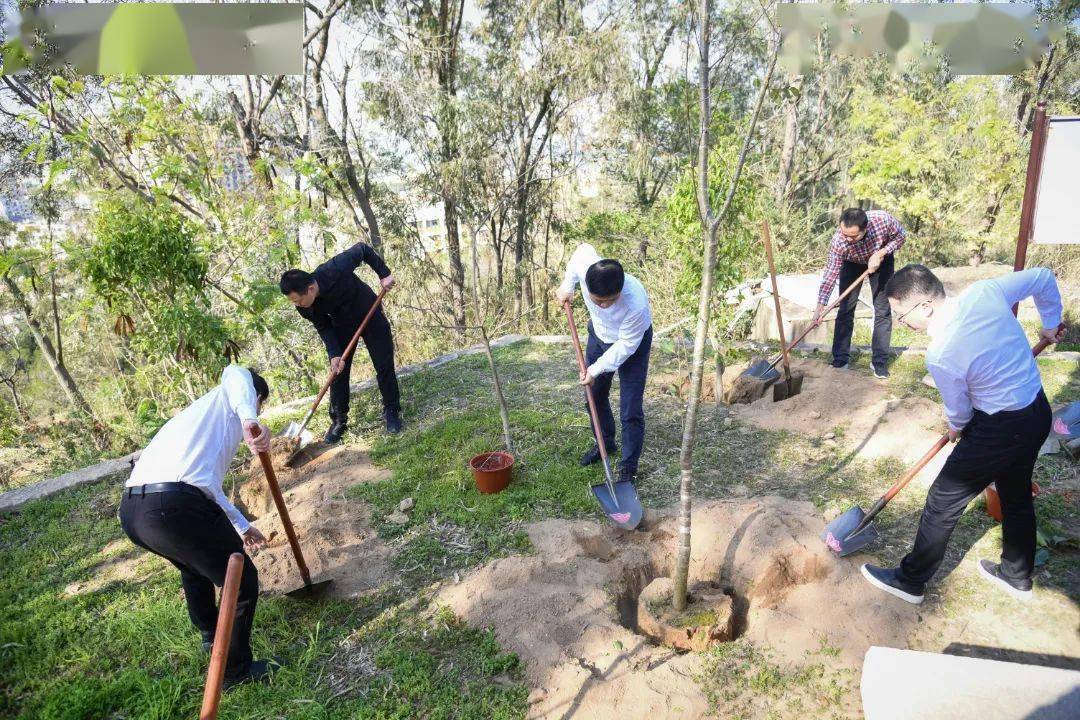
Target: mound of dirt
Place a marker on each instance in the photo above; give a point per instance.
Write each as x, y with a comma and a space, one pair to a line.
335, 533
874, 423
570, 610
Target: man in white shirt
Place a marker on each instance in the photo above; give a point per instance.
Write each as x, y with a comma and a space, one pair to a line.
173, 505
620, 338
982, 364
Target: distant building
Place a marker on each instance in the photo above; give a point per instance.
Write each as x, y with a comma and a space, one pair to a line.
15, 203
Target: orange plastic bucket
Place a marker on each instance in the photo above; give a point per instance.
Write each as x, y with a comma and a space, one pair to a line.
492, 471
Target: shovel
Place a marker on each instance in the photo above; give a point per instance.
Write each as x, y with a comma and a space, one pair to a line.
765, 371
791, 386
308, 589
618, 500
297, 431
854, 530
215, 674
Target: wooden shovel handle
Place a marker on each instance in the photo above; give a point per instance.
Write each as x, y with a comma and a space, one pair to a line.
215, 675
283, 512
776, 298
588, 388
344, 358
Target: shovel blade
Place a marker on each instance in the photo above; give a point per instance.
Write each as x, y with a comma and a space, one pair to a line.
835, 535
312, 591
783, 389
760, 369
624, 508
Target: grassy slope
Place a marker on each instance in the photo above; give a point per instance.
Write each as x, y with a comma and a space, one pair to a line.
127, 650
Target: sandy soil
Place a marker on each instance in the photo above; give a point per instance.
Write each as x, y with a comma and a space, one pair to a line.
334, 532
568, 611
873, 423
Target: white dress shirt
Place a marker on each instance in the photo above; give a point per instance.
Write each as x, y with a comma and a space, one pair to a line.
622, 325
979, 355
196, 445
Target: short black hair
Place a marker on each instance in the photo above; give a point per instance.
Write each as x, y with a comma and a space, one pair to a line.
605, 278
854, 217
914, 281
295, 281
262, 390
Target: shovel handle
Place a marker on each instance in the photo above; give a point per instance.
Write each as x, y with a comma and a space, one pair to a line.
776, 298
906, 478
215, 674
344, 358
283, 512
832, 306
588, 389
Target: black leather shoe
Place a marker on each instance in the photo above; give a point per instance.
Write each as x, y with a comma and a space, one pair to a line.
593, 455
336, 431
207, 641
626, 475
393, 421
259, 671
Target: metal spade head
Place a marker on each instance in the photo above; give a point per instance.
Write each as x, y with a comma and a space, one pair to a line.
624, 508
836, 534
311, 591
763, 370
783, 389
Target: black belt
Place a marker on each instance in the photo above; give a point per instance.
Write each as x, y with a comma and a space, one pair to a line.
180, 487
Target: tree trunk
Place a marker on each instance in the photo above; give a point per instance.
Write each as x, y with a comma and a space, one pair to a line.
791, 132
457, 269
245, 128
711, 223
63, 377
504, 413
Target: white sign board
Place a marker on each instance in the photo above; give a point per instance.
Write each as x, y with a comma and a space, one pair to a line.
1059, 184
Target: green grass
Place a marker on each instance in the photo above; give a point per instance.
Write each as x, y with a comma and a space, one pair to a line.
128, 650
742, 681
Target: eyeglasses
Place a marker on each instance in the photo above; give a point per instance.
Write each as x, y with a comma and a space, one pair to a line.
901, 318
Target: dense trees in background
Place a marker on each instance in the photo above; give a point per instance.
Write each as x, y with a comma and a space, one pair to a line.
531, 126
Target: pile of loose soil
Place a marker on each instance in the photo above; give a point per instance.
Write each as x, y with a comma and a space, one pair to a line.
335, 533
874, 423
570, 610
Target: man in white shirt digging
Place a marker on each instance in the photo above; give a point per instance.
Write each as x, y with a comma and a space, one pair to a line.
173, 505
620, 339
982, 363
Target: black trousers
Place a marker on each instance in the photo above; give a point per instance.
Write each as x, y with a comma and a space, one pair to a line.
999, 448
380, 346
845, 316
632, 375
194, 534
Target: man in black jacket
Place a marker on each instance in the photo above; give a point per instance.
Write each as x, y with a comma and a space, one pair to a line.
336, 301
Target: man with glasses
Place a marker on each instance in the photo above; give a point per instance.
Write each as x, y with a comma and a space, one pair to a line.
864, 240
981, 362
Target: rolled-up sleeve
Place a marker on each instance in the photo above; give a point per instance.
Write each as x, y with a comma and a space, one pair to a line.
1040, 285
954, 393
631, 331
894, 236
